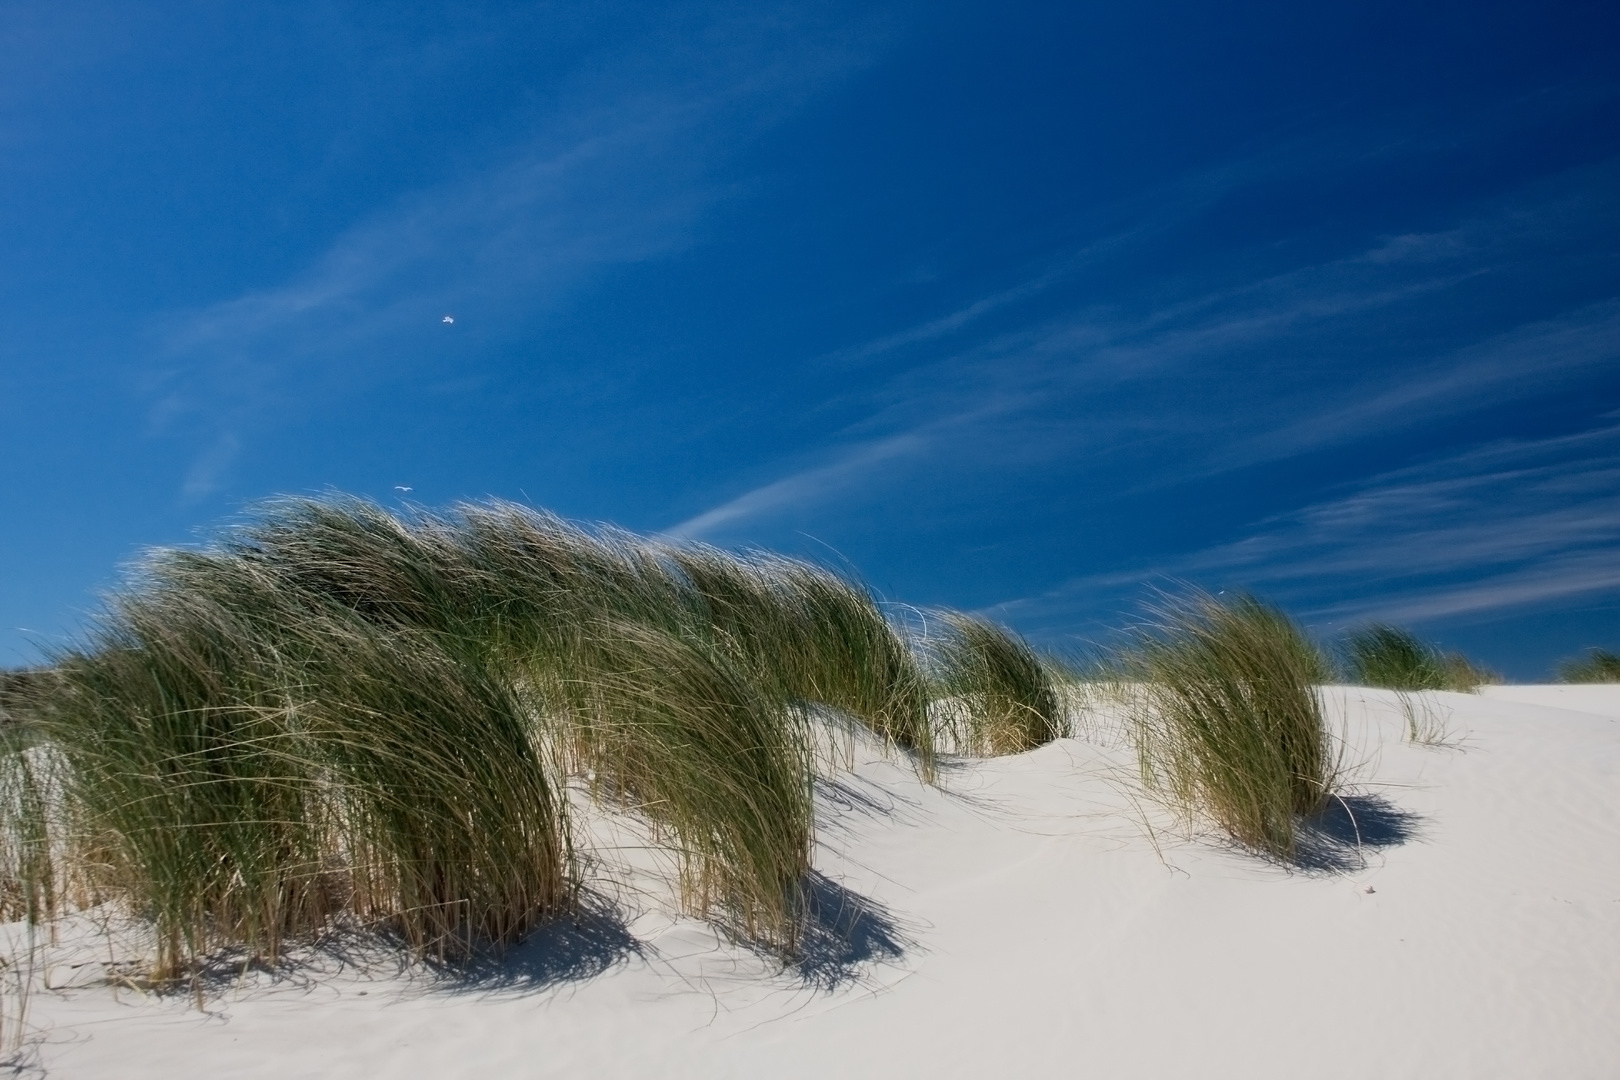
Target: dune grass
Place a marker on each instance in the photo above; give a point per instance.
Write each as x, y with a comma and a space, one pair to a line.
813, 637
1397, 659
996, 695
1597, 666
678, 679
28, 885
1392, 658
244, 762
14, 688
678, 732
1226, 717
336, 712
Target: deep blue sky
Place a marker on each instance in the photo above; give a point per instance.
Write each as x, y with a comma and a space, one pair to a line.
1014, 307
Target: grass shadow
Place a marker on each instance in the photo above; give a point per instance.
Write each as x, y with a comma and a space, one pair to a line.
1338, 838
843, 932
571, 949
836, 796
592, 942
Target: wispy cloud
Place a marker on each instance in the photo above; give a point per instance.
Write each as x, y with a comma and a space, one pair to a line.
850, 466
1510, 524
803, 487
1527, 360
208, 468
1240, 372
619, 167
1562, 576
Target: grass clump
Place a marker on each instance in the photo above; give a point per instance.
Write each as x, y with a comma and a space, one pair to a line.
336, 712
602, 639
812, 637
997, 695
677, 678
1397, 659
1226, 717
1597, 666
15, 688
678, 732
243, 762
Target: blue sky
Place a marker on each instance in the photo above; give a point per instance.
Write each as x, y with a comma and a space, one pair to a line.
1019, 308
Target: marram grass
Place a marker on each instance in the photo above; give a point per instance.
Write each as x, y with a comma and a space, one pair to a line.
677, 731
996, 695
1226, 717
336, 712
1397, 659
1597, 666
244, 762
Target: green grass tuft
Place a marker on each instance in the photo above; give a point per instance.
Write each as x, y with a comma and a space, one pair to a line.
999, 698
1396, 659
244, 761
335, 712
1226, 717
813, 637
678, 731
1597, 666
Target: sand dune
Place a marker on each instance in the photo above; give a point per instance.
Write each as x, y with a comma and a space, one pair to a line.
1458, 916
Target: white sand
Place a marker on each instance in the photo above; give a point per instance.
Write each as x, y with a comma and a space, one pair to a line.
1032, 930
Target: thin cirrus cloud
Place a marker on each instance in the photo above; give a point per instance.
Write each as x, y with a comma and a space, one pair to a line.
1507, 525
1526, 361
1130, 224
803, 487
1212, 381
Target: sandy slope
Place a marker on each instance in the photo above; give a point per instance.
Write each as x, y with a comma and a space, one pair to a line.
1021, 923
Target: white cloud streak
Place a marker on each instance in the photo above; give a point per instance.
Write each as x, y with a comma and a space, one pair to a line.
802, 487
1508, 525
1223, 379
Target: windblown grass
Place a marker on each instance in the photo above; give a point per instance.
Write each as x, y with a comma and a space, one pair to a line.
679, 678
1227, 720
811, 637
13, 688
334, 712
243, 762
1464, 676
28, 885
997, 697
678, 732
1597, 666
1397, 659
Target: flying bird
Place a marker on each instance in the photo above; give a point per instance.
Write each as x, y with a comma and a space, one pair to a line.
401, 487
449, 319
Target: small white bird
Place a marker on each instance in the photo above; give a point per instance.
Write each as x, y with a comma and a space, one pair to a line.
401, 487
449, 319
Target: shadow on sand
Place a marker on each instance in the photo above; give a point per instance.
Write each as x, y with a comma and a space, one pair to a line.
591, 942
843, 933
1339, 838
